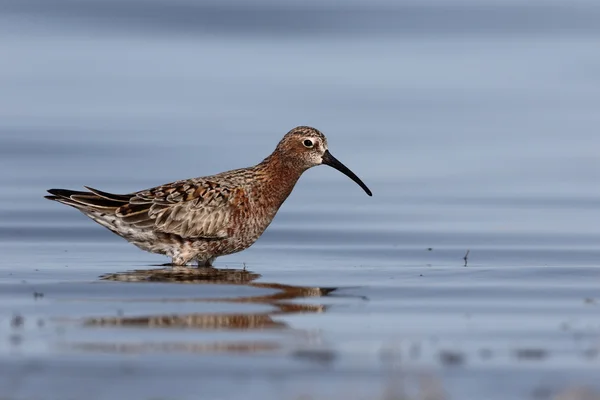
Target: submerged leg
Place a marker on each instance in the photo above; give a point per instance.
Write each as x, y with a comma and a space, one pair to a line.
206, 263
180, 261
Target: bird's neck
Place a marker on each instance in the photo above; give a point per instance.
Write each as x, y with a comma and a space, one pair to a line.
277, 177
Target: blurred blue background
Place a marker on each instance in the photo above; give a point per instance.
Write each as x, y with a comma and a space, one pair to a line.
434, 101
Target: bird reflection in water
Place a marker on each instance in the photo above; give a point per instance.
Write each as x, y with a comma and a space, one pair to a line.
279, 299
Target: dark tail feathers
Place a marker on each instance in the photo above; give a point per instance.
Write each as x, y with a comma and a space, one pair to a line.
94, 199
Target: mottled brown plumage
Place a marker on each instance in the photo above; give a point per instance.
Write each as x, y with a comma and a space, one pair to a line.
204, 218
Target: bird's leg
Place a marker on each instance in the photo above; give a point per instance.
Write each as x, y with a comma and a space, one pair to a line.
175, 267
206, 263
180, 261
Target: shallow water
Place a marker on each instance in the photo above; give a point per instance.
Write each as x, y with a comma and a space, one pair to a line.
474, 126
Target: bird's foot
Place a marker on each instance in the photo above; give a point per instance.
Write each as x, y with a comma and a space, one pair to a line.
176, 266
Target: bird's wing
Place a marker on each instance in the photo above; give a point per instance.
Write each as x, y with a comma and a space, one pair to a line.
190, 209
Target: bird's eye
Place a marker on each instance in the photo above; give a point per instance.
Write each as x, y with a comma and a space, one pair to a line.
308, 143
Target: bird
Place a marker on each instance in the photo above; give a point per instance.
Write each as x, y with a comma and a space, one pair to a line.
200, 219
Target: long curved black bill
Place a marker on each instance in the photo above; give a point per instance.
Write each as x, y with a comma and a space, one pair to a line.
330, 160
